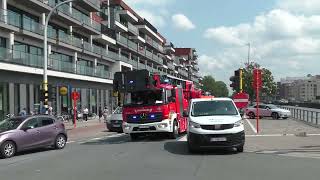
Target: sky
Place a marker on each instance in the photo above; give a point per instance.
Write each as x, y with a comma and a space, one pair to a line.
284, 34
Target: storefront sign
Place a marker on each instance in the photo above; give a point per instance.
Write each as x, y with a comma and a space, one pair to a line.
63, 90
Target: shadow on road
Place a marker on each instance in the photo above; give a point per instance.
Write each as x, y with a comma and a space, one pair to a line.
34, 151
121, 139
181, 148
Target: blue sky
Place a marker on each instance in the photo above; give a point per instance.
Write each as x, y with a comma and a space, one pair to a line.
284, 33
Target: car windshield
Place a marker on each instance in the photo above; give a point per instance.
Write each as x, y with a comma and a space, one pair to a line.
143, 98
213, 108
271, 106
10, 124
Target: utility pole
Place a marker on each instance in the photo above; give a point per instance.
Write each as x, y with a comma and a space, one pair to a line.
45, 54
249, 46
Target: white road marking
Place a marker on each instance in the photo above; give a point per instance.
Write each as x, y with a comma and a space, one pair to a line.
183, 138
70, 142
301, 155
116, 135
269, 135
252, 127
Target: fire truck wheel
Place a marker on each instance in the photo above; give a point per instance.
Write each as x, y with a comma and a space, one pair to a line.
134, 136
175, 130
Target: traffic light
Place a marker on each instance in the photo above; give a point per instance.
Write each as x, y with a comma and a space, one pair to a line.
235, 81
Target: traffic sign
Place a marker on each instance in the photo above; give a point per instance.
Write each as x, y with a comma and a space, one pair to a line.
241, 100
75, 95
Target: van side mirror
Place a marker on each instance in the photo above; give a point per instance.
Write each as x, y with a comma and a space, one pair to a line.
185, 114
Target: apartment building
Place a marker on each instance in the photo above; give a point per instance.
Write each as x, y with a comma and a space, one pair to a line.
88, 41
187, 64
304, 89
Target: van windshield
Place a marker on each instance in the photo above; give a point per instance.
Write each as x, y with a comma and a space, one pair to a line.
213, 108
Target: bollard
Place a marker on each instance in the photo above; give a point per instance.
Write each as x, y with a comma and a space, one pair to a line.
307, 116
317, 118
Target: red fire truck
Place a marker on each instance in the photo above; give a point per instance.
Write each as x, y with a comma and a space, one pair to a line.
153, 103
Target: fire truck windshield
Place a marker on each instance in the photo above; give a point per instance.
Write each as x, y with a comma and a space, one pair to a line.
144, 98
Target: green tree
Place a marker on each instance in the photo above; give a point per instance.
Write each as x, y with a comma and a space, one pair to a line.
268, 85
216, 88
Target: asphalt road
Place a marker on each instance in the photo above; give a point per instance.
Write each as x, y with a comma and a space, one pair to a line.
267, 156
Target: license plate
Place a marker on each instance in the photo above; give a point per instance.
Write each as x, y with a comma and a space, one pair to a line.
116, 125
144, 127
218, 139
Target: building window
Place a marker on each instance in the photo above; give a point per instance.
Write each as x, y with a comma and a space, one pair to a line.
4, 100
3, 42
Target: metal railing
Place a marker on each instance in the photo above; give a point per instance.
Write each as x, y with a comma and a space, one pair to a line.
308, 115
149, 54
133, 46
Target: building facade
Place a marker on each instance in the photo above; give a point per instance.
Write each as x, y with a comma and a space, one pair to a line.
88, 41
304, 89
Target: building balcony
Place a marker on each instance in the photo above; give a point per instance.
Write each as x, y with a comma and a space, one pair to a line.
110, 55
90, 5
145, 29
132, 29
36, 61
128, 16
170, 65
120, 27
169, 48
133, 46
138, 39
149, 54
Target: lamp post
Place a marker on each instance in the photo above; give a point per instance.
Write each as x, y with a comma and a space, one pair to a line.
45, 54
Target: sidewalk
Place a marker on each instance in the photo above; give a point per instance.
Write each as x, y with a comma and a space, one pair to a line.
87, 129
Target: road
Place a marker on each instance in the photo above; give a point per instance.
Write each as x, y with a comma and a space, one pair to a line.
272, 154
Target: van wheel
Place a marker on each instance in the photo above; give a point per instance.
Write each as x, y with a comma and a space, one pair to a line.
175, 130
134, 136
192, 149
240, 149
8, 149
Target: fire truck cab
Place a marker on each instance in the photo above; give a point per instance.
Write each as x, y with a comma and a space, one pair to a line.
152, 103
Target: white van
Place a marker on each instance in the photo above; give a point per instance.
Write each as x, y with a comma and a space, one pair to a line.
214, 123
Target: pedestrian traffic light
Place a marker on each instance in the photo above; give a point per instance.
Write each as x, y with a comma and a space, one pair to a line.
235, 81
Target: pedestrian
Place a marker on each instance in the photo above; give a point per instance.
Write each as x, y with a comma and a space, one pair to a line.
85, 113
100, 114
50, 111
105, 113
23, 112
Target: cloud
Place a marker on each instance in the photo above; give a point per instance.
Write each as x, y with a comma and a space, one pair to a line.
283, 40
157, 20
300, 6
154, 11
182, 22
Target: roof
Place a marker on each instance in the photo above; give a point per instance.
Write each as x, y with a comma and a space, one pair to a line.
182, 51
213, 99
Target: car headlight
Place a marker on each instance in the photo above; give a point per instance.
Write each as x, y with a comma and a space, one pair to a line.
238, 123
194, 125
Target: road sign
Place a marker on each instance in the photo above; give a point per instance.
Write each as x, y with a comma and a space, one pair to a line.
75, 95
241, 100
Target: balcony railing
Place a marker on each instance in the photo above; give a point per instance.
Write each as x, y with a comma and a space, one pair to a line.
21, 58
132, 45
123, 40
68, 39
34, 60
133, 29
87, 46
111, 55
97, 49
149, 54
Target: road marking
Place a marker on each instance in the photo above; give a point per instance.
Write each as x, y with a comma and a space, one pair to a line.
183, 138
301, 155
252, 127
97, 138
269, 135
116, 135
70, 142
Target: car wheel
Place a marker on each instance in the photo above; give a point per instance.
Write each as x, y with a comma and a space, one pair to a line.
8, 149
175, 130
251, 115
60, 142
134, 136
275, 115
240, 149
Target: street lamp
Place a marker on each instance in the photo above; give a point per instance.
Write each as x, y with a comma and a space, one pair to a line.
248, 44
45, 54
